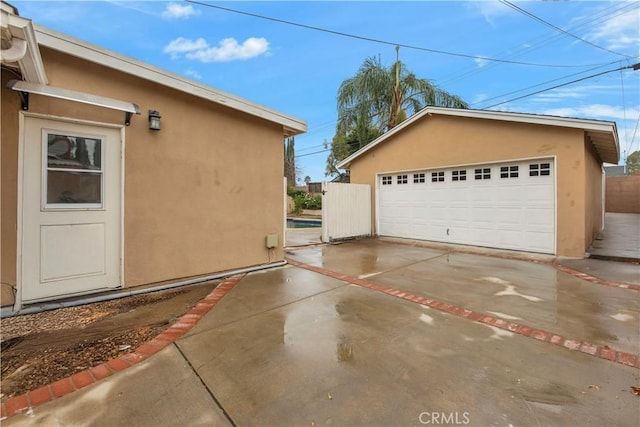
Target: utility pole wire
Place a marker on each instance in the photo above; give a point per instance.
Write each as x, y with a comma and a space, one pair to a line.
540, 84
548, 24
635, 67
354, 36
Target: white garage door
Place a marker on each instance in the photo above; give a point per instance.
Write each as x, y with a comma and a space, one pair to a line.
506, 205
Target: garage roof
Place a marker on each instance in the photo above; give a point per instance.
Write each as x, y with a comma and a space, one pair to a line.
602, 134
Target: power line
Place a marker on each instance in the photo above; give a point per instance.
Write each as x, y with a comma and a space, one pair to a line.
548, 24
370, 39
315, 152
541, 84
539, 42
635, 67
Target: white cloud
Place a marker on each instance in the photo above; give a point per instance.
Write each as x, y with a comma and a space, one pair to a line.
490, 9
178, 11
480, 62
227, 50
182, 45
596, 111
478, 98
193, 74
618, 32
564, 94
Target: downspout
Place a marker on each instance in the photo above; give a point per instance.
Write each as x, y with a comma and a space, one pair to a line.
38, 308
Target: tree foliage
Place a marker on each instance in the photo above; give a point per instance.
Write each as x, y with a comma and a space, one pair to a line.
633, 163
377, 99
290, 160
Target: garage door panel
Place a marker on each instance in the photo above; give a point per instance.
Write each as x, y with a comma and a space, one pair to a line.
514, 212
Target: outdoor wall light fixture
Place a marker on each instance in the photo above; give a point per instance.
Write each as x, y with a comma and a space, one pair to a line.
154, 120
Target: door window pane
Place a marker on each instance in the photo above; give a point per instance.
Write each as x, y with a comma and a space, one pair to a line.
67, 152
73, 187
73, 171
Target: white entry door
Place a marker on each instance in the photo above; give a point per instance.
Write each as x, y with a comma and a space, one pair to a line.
71, 208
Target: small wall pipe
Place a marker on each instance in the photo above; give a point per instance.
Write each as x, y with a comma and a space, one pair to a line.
6, 312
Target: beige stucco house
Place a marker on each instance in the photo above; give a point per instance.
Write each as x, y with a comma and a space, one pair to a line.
95, 199
493, 179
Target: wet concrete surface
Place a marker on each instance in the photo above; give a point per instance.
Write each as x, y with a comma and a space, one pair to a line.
533, 294
163, 392
624, 272
303, 236
292, 347
344, 355
620, 239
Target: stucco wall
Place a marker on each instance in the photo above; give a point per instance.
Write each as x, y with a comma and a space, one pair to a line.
201, 194
593, 194
438, 141
9, 190
623, 194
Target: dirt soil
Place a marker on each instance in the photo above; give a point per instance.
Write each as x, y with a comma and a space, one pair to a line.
38, 349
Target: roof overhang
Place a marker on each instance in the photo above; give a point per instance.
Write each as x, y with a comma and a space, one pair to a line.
19, 45
66, 44
71, 95
602, 134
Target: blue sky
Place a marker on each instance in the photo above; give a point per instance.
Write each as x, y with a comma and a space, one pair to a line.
298, 70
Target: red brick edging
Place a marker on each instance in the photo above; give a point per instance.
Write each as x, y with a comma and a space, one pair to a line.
19, 404
516, 257
603, 352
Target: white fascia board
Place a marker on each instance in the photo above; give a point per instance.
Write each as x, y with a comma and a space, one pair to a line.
78, 48
584, 124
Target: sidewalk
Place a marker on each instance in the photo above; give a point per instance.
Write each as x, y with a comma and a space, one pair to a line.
620, 239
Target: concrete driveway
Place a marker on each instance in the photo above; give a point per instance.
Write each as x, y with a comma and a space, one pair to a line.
380, 333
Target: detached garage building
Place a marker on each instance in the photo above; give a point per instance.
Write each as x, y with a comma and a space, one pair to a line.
486, 178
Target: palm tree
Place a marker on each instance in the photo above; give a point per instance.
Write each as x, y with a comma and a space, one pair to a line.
383, 97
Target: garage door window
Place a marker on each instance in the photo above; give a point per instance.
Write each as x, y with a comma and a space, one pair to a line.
508, 171
540, 169
418, 178
386, 180
437, 176
459, 175
484, 173
402, 179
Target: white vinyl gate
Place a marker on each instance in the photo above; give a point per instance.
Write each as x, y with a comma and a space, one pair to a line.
346, 211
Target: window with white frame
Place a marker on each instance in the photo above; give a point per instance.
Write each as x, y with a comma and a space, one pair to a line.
482, 173
540, 169
509, 171
460, 175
